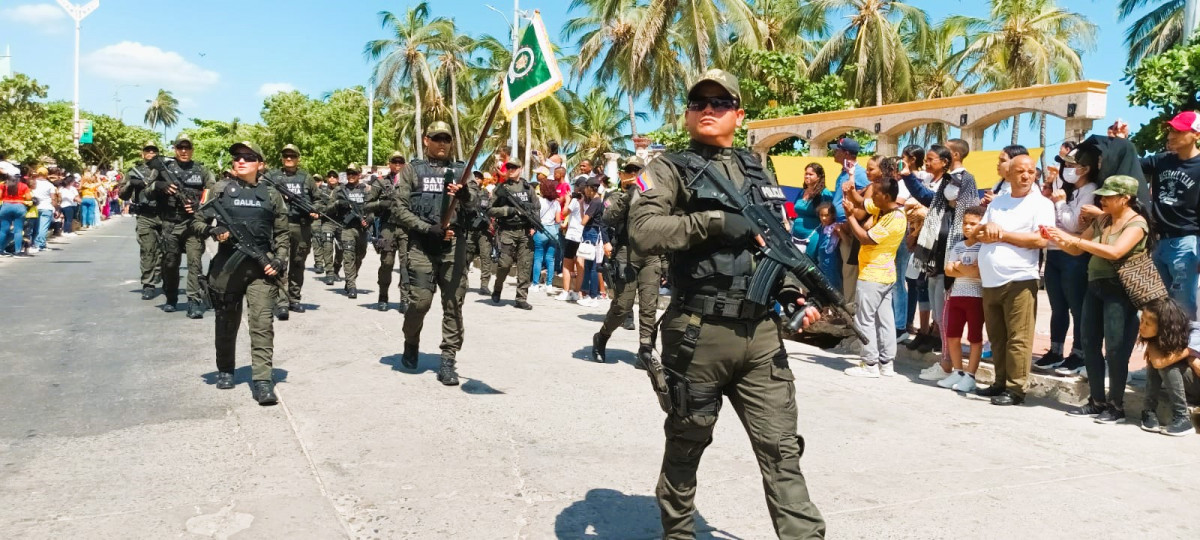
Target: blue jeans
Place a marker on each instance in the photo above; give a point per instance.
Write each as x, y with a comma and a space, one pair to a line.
1112, 327
68, 213
900, 289
45, 217
590, 286
88, 207
543, 257
1176, 259
1066, 285
12, 216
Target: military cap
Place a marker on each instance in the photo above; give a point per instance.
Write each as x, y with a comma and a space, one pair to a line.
595, 182
233, 148
721, 77
182, 138
290, 148
438, 127
635, 162
1118, 184
514, 161
150, 144
353, 168
396, 155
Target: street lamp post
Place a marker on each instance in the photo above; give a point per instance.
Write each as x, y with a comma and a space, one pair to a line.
515, 43
371, 127
78, 13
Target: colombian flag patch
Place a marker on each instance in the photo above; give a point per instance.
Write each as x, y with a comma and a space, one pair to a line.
204, 196
644, 183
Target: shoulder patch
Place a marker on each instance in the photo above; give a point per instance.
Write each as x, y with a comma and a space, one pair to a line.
644, 182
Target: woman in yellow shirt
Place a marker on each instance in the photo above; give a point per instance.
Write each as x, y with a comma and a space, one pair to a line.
89, 206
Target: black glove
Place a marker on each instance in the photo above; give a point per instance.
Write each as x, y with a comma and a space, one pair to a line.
737, 228
342, 205
788, 297
435, 232
463, 194
218, 231
278, 265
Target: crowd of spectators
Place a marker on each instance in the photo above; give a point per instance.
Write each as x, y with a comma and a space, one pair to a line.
928, 255
41, 203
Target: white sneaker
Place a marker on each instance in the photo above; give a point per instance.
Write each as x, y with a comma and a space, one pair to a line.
551, 291
537, 288
965, 384
863, 370
933, 373
951, 380
573, 297
887, 369
563, 297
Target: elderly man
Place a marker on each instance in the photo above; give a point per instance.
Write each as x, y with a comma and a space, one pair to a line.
1008, 267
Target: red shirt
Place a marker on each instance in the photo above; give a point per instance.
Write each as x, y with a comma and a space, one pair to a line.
22, 192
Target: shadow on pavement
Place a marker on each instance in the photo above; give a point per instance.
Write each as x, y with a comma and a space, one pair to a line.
243, 375
488, 300
593, 317
479, 388
425, 363
610, 514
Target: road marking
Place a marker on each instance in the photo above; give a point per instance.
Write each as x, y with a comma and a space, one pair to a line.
312, 466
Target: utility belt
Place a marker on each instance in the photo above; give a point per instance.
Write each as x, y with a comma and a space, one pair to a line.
300, 218
722, 307
502, 227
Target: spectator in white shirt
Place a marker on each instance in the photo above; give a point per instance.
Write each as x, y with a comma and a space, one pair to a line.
43, 193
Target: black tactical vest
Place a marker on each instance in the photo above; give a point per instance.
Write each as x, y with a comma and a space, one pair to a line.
251, 207
190, 174
145, 205
295, 184
356, 195
520, 193
427, 196
712, 267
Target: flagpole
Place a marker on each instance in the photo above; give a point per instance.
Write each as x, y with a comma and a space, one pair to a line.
516, 21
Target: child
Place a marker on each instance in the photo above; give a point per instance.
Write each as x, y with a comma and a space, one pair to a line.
1164, 331
823, 245
964, 305
876, 275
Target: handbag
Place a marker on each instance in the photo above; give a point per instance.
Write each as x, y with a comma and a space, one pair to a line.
586, 251
1140, 279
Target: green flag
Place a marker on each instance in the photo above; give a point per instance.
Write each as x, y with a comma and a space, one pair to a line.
534, 72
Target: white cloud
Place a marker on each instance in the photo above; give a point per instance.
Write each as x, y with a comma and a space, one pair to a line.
47, 18
272, 88
132, 62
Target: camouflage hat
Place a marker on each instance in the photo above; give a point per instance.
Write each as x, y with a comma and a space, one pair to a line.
635, 162
150, 144
397, 155
290, 148
1118, 184
719, 76
513, 160
182, 138
438, 127
353, 168
233, 148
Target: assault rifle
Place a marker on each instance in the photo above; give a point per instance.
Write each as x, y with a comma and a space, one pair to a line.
187, 196
525, 214
298, 202
241, 238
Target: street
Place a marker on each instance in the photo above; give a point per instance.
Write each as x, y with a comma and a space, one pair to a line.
110, 427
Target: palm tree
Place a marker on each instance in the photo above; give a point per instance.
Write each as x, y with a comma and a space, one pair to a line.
599, 127
873, 47
605, 41
1023, 43
402, 58
782, 27
450, 54
163, 110
703, 27
935, 75
1154, 32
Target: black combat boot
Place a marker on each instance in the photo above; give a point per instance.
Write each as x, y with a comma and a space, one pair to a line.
383, 302
169, 307
319, 269
645, 357
599, 342
351, 292
148, 292
446, 374
264, 393
409, 358
195, 310
628, 324
496, 296
403, 307
521, 304
224, 380
297, 307
281, 313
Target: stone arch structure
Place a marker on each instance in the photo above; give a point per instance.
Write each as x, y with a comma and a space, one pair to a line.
1079, 103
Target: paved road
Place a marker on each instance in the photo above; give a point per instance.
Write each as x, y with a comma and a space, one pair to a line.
110, 428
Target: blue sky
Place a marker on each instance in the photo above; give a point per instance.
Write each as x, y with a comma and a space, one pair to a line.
220, 57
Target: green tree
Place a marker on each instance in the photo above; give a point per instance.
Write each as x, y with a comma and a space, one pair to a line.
701, 29
114, 143
450, 54
599, 127
163, 110
402, 59
31, 130
874, 48
1168, 82
1154, 32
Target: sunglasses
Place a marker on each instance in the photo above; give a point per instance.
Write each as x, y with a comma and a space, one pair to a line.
150, 149
440, 138
184, 147
718, 104
291, 156
248, 158
397, 161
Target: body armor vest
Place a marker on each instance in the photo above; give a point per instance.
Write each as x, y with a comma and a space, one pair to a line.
295, 184
192, 177
712, 268
519, 193
142, 201
428, 196
251, 208
356, 195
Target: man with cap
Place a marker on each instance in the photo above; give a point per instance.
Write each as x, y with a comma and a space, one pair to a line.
716, 342
328, 258
514, 233
302, 186
1175, 210
347, 206
177, 207
133, 188
481, 236
634, 274
421, 201
233, 275
392, 242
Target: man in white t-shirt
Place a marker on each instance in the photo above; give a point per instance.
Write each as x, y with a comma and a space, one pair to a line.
1008, 267
43, 193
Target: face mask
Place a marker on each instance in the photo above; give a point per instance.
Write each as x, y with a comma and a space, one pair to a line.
951, 192
1070, 176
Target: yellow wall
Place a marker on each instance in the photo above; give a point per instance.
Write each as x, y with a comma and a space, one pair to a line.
790, 169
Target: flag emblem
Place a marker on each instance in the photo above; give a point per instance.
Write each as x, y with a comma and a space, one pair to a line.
643, 182
534, 72
204, 196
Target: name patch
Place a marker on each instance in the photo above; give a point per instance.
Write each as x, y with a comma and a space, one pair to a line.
248, 202
433, 184
773, 192
356, 196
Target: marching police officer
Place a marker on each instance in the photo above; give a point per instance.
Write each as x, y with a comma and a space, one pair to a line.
301, 186
422, 199
256, 214
347, 206
482, 236
135, 188
634, 274
177, 207
514, 232
392, 242
327, 258
715, 341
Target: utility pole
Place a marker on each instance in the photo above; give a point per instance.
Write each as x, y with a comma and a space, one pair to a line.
1191, 19
78, 13
371, 127
516, 21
